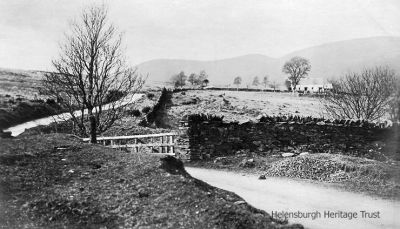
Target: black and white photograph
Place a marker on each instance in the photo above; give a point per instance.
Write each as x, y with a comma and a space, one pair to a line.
200, 114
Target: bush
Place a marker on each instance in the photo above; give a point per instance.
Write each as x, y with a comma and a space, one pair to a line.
364, 95
146, 110
197, 118
150, 96
51, 102
113, 95
135, 112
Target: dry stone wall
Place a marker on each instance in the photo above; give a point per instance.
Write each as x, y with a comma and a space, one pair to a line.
210, 139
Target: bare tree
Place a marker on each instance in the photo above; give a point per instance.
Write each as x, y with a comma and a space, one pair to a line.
201, 77
265, 81
297, 68
90, 68
273, 85
193, 79
366, 95
237, 81
179, 80
256, 81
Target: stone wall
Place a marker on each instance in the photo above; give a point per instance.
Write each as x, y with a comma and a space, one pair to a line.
210, 139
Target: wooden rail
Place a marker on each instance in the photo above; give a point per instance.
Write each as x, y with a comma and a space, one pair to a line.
165, 142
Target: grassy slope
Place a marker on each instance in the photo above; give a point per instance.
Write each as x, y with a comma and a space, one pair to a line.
242, 105
25, 111
54, 181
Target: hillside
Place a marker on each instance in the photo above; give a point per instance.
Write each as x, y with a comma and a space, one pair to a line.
219, 71
334, 59
328, 60
20, 82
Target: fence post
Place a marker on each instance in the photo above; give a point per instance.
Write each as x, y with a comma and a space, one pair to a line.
172, 142
136, 148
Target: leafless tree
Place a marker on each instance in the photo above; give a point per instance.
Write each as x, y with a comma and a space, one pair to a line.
193, 79
179, 80
90, 68
366, 95
273, 85
256, 81
237, 81
265, 81
297, 68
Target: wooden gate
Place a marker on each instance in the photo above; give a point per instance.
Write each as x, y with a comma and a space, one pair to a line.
163, 143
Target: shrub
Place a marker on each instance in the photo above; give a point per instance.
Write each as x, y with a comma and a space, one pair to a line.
135, 112
113, 95
150, 96
364, 95
146, 110
196, 118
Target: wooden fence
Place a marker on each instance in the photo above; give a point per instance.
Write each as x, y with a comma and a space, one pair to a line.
160, 143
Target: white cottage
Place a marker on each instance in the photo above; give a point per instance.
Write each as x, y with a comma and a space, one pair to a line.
313, 85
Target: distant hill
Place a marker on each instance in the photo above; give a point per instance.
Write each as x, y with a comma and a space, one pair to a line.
20, 82
220, 71
328, 61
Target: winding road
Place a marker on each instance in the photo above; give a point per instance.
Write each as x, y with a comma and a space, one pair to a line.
19, 129
327, 205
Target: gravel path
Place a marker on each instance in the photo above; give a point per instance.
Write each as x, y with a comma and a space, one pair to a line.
281, 194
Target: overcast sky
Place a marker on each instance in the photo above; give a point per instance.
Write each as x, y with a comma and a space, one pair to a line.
30, 30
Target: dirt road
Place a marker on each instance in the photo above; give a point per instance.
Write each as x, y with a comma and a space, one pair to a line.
19, 129
330, 207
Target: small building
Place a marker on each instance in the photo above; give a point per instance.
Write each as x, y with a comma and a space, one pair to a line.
313, 85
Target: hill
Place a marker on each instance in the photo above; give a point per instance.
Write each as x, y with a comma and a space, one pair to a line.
327, 60
16, 82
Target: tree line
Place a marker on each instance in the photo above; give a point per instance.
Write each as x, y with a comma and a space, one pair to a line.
195, 80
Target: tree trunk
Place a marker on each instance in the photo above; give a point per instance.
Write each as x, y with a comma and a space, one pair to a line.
92, 119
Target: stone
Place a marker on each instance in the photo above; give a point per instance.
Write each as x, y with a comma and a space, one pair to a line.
222, 160
287, 154
247, 163
262, 177
304, 153
240, 202
143, 193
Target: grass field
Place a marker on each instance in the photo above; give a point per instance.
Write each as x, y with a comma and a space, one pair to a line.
241, 105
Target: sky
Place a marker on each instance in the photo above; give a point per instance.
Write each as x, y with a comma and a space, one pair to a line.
31, 30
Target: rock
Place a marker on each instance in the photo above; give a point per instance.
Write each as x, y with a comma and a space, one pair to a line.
247, 163
240, 202
320, 123
143, 193
287, 154
304, 153
262, 177
222, 160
